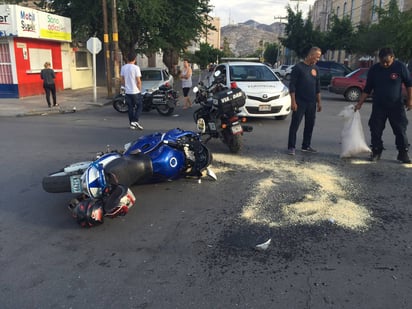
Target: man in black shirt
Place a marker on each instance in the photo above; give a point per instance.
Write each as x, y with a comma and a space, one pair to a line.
304, 88
384, 81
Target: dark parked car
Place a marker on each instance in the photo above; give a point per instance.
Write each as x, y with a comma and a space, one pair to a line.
329, 69
351, 86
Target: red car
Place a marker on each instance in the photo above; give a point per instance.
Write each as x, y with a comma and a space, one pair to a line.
351, 85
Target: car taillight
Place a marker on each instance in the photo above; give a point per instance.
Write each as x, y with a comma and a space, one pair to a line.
233, 85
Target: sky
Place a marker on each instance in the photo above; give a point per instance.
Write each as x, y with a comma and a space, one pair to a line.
261, 11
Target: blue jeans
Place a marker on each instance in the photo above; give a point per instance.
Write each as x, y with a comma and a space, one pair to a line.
135, 106
309, 111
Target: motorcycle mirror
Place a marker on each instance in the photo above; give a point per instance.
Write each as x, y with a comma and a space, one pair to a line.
217, 73
195, 89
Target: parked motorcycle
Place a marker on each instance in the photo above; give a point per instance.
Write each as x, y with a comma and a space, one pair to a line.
164, 100
217, 116
103, 184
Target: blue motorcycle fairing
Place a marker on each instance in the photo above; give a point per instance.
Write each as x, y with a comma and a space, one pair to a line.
167, 162
148, 143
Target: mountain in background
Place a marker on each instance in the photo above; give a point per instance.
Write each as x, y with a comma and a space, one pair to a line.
244, 37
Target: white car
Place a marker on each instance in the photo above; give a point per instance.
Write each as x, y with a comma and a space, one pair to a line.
284, 71
153, 78
266, 94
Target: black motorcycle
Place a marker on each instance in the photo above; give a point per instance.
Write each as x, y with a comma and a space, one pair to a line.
217, 116
164, 100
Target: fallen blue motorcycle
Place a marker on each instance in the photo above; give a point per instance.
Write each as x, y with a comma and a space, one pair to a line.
103, 185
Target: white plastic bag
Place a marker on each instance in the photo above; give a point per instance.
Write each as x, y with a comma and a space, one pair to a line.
353, 139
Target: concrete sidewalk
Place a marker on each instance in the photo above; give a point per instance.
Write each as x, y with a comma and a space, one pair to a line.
69, 101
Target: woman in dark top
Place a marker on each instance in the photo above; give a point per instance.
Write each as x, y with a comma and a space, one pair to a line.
48, 76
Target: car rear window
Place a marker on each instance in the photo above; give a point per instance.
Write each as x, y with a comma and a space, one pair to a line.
250, 73
151, 75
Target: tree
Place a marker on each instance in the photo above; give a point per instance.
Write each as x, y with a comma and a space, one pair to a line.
145, 26
340, 37
206, 54
271, 53
227, 52
300, 36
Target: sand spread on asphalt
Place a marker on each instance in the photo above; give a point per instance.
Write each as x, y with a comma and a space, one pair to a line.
329, 201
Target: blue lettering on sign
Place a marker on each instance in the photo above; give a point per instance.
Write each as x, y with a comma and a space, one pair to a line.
27, 16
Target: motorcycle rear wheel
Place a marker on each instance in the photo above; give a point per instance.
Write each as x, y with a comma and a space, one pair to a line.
120, 105
165, 110
58, 182
234, 142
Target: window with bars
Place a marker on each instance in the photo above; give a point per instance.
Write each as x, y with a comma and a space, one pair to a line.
6, 76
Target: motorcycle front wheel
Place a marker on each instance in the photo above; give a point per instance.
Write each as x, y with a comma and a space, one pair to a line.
120, 105
165, 110
234, 142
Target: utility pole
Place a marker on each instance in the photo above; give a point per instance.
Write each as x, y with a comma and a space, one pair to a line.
279, 44
297, 5
115, 39
106, 50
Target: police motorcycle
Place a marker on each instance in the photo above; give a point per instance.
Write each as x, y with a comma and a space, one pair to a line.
217, 116
102, 185
164, 100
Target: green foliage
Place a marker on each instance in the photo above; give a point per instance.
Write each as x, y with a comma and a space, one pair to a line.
340, 37
146, 26
271, 52
300, 36
206, 55
227, 52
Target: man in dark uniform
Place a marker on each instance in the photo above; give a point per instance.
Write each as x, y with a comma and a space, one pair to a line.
384, 81
304, 88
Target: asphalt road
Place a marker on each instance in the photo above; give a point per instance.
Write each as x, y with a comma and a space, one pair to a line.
339, 230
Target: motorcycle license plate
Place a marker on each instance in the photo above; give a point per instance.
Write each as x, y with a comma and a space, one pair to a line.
264, 108
212, 126
237, 129
76, 184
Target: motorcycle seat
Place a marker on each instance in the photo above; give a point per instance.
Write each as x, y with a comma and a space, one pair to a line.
130, 170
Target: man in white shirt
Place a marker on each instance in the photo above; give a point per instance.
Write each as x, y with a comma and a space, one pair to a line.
130, 74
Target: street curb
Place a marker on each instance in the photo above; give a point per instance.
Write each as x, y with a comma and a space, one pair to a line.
86, 106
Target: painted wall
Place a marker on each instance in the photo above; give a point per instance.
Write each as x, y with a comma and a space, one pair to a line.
29, 80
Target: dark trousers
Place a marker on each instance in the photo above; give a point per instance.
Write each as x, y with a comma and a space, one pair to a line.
398, 121
135, 106
50, 89
309, 112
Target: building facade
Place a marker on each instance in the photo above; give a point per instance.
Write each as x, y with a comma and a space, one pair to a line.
358, 11
29, 38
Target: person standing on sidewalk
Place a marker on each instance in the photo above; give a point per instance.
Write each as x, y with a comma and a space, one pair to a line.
47, 75
186, 78
131, 80
384, 81
304, 91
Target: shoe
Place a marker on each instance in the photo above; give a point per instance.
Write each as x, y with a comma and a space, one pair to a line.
309, 149
291, 151
137, 125
375, 157
403, 157
56, 104
133, 126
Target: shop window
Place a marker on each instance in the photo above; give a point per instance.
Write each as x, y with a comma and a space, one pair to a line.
82, 60
38, 57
